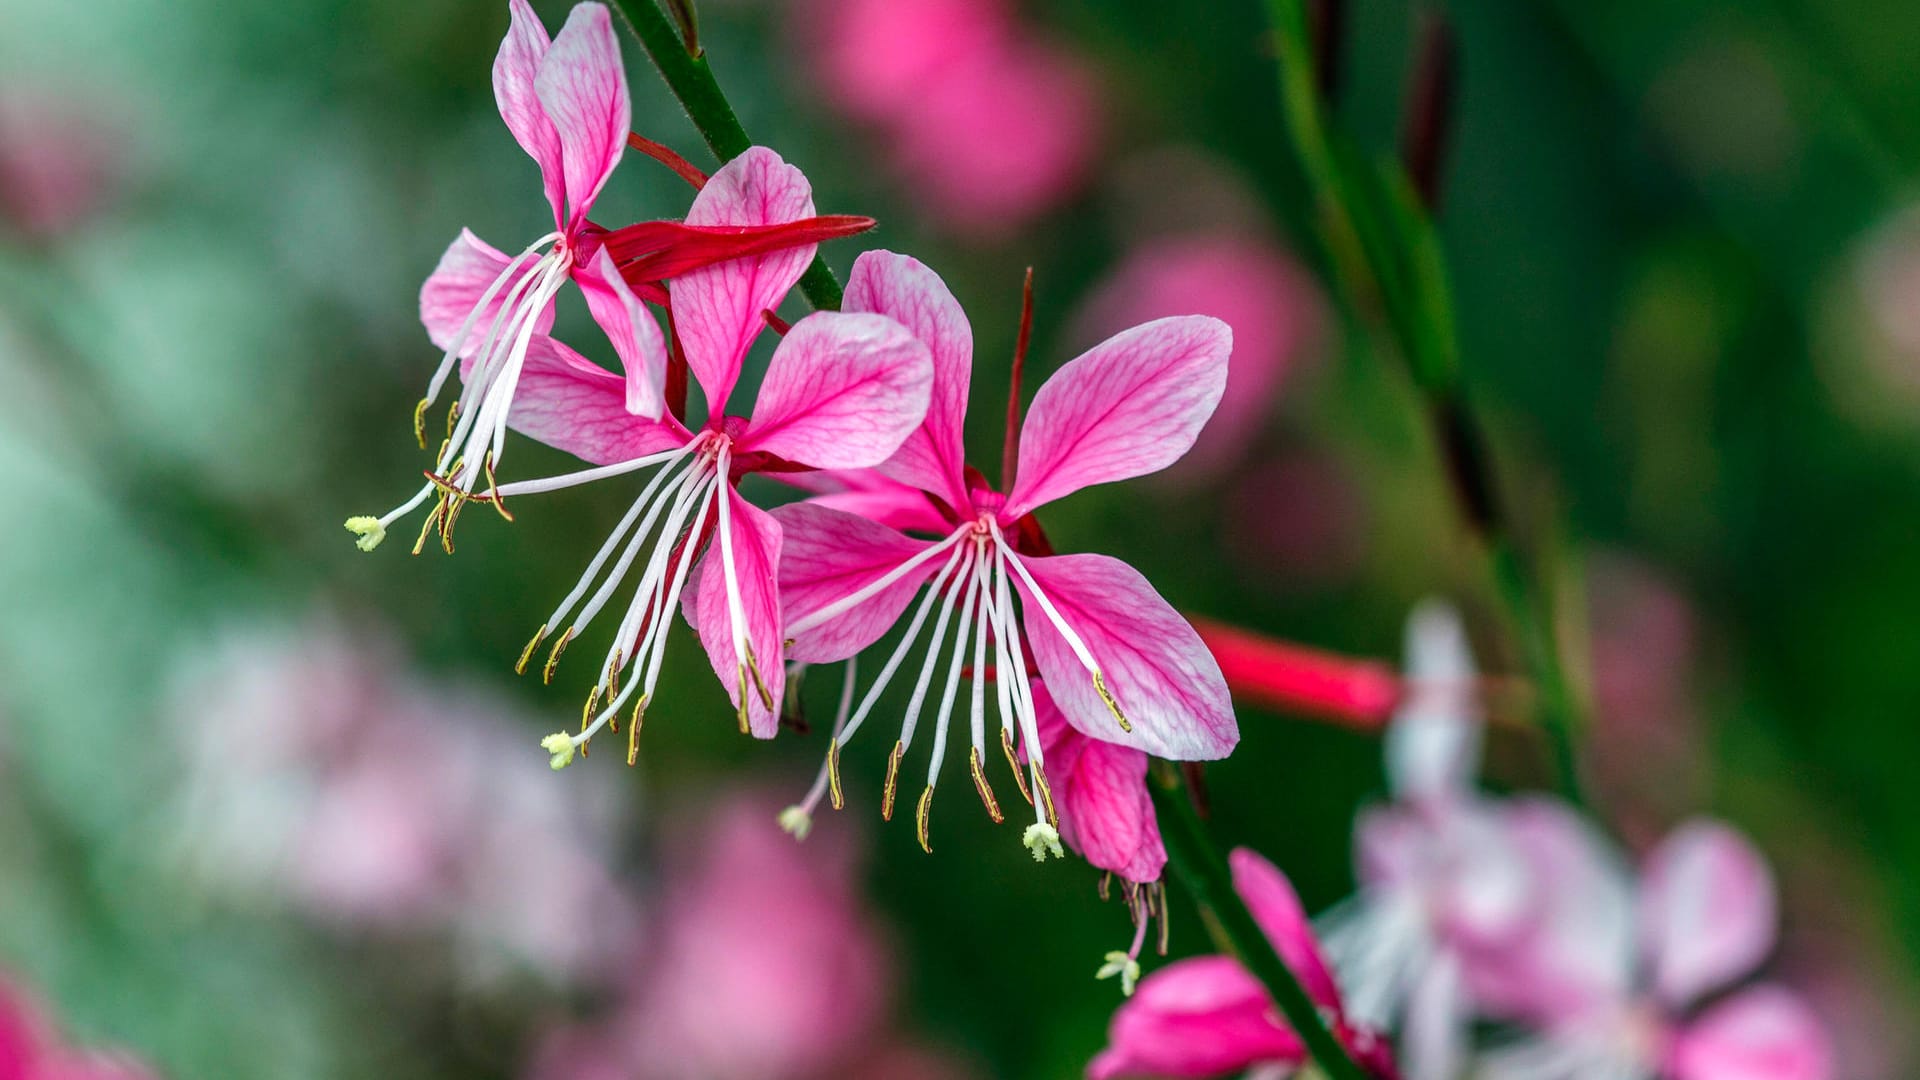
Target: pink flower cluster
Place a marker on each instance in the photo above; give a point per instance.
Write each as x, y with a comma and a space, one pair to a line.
865, 408
32, 1049
985, 123
1516, 912
760, 962
331, 809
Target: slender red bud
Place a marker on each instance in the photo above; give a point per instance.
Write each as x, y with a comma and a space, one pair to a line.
684, 169
780, 326
653, 251
1295, 678
1010, 450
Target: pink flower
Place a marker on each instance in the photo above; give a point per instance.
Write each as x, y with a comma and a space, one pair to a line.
1443, 882
1613, 980
332, 810
30, 1048
58, 161
1122, 665
764, 963
1100, 791
565, 101
1208, 1016
986, 124
1272, 305
841, 392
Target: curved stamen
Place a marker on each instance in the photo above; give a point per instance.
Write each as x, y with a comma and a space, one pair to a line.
873, 588
1078, 646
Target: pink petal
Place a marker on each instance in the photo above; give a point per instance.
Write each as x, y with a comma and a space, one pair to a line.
899, 286
1578, 956
1201, 1017
756, 557
829, 555
583, 88
1126, 407
1100, 791
573, 404
514, 68
468, 268
636, 337
1276, 907
1156, 667
841, 392
1707, 910
1766, 1033
716, 309
1433, 744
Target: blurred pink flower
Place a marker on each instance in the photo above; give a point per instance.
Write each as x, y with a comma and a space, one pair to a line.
1295, 519
764, 964
1207, 1016
987, 124
58, 162
334, 808
1615, 974
30, 1048
1272, 304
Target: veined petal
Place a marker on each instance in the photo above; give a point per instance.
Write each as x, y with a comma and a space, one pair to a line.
1707, 910
1154, 664
1129, 406
756, 540
933, 458
573, 404
1276, 907
1201, 1017
1100, 790
1766, 1033
828, 556
469, 267
637, 339
583, 88
841, 392
717, 308
514, 69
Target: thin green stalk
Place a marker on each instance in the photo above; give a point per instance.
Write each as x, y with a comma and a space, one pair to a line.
691, 80
1386, 261
1197, 865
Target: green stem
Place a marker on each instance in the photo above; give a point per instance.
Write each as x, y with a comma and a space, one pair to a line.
1386, 262
691, 80
1196, 863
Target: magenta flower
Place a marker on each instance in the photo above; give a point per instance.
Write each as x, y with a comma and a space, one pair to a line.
31, 1048
1613, 980
842, 391
1208, 1016
565, 101
1123, 666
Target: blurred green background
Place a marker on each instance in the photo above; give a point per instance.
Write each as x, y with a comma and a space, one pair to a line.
1687, 295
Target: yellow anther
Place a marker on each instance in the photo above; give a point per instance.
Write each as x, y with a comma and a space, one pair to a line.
613, 676
454, 503
367, 531
741, 697
834, 796
1100, 687
893, 782
1046, 794
439, 511
1013, 762
553, 658
920, 815
493, 490
633, 731
586, 711
526, 654
420, 422
980, 784
560, 745
759, 684
453, 413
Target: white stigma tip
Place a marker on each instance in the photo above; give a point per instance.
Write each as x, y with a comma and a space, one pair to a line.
560, 745
797, 821
368, 530
1123, 965
1041, 839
